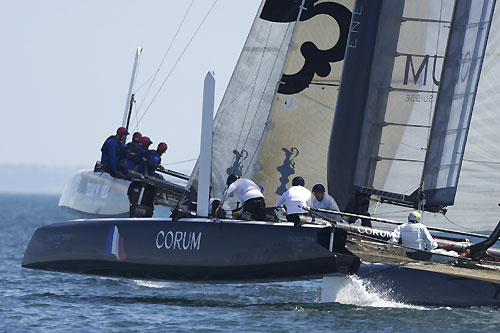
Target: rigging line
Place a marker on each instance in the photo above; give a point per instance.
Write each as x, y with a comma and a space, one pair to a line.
251, 94
268, 80
143, 84
413, 147
179, 162
312, 99
455, 224
178, 59
481, 162
153, 77
395, 212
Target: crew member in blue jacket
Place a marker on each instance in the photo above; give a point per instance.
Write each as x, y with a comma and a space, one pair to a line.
151, 160
111, 151
134, 161
131, 151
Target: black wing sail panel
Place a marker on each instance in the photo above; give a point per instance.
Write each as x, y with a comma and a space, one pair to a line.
455, 101
398, 54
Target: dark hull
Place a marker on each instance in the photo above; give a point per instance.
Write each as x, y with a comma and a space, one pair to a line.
231, 251
184, 250
429, 288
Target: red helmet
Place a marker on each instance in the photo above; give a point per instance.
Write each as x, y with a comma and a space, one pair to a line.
136, 137
145, 142
121, 131
162, 147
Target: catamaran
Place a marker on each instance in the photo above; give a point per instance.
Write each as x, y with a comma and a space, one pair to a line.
362, 66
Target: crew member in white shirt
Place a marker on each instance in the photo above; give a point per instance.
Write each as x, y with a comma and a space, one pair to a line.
297, 196
248, 193
323, 200
414, 235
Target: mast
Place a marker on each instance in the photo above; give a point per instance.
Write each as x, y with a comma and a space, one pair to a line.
130, 96
206, 146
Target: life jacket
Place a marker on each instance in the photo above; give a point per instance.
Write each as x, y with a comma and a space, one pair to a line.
104, 148
132, 152
154, 161
146, 155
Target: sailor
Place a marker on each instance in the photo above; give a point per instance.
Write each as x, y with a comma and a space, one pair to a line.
248, 193
131, 146
154, 161
150, 160
134, 158
296, 197
414, 235
111, 150
215, 206
359, 205
323, 200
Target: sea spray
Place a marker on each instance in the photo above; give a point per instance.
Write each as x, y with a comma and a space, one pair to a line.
350, 289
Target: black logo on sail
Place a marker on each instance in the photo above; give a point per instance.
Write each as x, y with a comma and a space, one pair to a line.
287, 168
237, 167
316, 61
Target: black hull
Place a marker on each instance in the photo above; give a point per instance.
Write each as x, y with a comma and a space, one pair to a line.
429, 288
232, 251
183, 250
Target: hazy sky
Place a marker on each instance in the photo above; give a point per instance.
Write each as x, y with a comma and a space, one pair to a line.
65, 68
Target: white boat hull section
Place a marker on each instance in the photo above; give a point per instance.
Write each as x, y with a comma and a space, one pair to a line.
96, 193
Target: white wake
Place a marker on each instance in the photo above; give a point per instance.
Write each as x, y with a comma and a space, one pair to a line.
349, 289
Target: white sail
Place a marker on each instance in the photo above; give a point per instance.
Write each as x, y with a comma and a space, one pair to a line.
279, 105
241, 116
298, 131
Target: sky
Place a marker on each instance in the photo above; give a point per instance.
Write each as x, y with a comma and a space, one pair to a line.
65, 70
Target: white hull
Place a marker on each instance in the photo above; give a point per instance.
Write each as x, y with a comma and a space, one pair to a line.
96, 193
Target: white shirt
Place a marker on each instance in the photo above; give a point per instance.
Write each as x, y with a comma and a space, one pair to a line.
244, 189
295, 197
413, 235
329, 203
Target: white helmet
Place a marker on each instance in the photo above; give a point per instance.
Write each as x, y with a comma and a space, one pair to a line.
414, 217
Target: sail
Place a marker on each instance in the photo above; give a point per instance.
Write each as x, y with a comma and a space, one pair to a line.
457, 92
396, 61
242, 113
275, 117
296, 139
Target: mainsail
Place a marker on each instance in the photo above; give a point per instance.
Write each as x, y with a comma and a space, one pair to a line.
275, 117
408, 88
297, 134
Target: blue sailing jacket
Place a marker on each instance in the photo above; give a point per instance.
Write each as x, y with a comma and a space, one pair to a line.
150, 159
110, 153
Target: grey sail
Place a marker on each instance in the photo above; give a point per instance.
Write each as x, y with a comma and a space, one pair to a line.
400, 58
457, 92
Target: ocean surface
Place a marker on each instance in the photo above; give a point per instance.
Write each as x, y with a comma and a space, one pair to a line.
39, 301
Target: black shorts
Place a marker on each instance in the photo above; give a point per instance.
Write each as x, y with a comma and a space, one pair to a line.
256, 207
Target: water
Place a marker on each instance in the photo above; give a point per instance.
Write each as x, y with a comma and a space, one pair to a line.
32, 300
